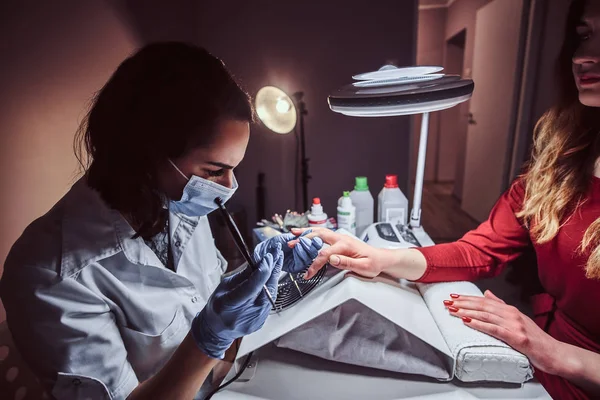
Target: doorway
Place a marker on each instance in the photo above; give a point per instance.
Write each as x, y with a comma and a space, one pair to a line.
451, 146
492, 109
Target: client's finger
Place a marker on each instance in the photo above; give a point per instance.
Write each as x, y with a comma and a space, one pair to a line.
490, 295
299, 231
323, 258
361, 266
327, 235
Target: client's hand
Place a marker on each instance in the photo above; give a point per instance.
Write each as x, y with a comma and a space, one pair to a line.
491, 315
345, 252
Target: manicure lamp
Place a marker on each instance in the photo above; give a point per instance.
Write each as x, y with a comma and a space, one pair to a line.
392, 91
279, 113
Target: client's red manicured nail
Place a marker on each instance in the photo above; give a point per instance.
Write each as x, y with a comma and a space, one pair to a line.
448, 302
455, 296
466, 319
453, 309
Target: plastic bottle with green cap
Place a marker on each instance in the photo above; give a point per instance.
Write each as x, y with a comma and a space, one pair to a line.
346, 214
364, 203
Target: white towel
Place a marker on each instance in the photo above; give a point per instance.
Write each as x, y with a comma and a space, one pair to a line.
352, 333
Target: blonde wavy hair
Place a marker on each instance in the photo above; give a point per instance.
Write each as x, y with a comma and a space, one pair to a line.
564, 154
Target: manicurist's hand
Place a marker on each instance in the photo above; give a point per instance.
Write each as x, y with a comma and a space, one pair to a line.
239, 306
296, 258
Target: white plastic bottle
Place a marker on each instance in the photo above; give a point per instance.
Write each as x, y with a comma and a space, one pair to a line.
346, 214
316, 217
392, 204
363, 200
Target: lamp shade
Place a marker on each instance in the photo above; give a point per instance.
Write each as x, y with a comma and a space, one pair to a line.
400, 91
276, 109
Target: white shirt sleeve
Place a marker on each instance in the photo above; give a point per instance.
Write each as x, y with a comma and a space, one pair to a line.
67, 334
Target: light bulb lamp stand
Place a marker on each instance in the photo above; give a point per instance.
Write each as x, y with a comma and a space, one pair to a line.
283, 114
304, 175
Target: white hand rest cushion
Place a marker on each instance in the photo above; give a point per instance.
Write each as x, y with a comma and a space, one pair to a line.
478, 357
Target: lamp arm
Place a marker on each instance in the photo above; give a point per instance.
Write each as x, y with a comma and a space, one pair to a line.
415, 214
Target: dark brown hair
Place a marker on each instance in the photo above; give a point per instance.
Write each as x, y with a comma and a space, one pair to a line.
160, 103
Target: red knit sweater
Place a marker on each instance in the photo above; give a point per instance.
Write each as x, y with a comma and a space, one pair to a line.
570, 309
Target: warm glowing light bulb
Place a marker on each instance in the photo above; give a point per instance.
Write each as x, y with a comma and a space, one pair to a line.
275, 109
282, 106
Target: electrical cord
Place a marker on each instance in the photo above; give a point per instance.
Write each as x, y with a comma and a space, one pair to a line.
236, 377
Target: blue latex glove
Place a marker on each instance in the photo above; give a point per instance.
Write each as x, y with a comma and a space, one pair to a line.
294, 260
239, 306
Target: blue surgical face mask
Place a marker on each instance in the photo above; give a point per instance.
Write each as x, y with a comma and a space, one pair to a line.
199, 195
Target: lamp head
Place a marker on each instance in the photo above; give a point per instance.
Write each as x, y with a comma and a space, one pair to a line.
276, 109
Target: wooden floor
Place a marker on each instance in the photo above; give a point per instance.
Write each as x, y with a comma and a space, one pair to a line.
441, 215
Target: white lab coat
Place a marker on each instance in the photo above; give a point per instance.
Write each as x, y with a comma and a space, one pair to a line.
93, 311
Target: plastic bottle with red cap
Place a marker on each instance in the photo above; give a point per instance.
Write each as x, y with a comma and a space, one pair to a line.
392, 204
317, 217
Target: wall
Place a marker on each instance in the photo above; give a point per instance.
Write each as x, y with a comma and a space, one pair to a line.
315, 47
454, 121
158, 20
540, 87
446, 144
461, 16
546, 90
496, 73
430, 51
55, 55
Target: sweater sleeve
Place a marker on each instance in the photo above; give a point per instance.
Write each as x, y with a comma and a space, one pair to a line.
483, 251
